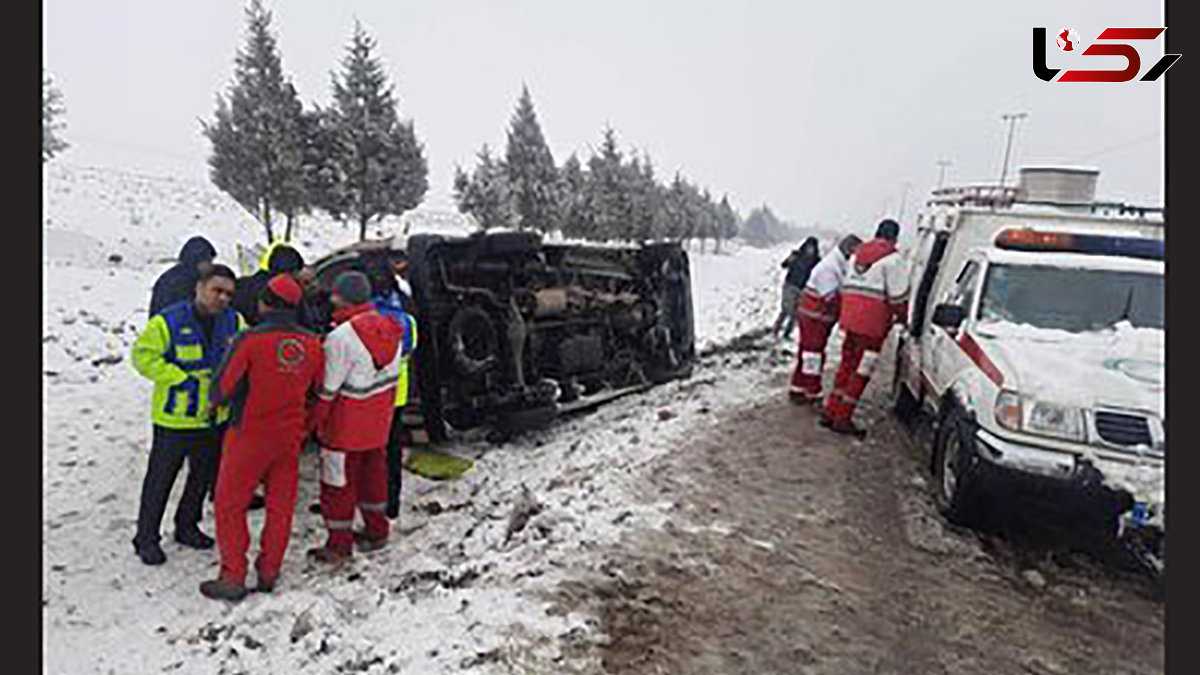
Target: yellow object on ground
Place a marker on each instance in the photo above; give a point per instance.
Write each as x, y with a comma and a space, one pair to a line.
437, 465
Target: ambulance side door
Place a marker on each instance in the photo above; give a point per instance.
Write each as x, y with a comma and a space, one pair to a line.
949, 359
925, 275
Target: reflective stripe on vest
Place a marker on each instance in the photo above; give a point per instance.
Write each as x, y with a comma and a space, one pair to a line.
264, 261
405, 363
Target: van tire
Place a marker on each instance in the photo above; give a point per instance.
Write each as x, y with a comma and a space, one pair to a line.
956, 467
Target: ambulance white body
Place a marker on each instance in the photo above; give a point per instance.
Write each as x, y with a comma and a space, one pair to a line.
1036, 341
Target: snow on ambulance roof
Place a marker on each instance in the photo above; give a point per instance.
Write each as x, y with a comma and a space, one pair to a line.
1060, 168
1074, 260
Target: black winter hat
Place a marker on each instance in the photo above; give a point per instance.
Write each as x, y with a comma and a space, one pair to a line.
888, 229
284, 259
352, 286
197, 249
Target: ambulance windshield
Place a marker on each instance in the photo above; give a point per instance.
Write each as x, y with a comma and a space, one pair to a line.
1075, 300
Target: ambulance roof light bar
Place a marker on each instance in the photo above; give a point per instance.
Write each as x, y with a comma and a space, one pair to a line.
1069, 242
982, 195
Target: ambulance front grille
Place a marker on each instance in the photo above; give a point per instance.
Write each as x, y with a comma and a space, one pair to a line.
1122, 429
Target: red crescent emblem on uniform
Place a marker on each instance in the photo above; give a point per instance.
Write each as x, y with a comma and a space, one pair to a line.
290, 353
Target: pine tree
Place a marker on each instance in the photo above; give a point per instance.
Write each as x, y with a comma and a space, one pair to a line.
692, 213
256, 147
727, 222
318, 174
674, 208
486, 193
762, 228
702, 215
646, 218
531, 171
52, 109
575, 210
608, 193
378, 161
294, 197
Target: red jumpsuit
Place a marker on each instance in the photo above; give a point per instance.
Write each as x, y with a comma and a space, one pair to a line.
271, 373
816, 316
874, 296
817, 311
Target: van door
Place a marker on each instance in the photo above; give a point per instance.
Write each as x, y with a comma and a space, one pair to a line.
920, 353
948, 358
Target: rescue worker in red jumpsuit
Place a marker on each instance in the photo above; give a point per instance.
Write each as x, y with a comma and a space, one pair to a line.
816, 313
363, 356
874, 297
272, 374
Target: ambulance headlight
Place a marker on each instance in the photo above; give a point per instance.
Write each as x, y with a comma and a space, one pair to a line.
1059, 421
1008, 410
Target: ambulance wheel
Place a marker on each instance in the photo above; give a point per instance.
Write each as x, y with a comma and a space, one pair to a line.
956, 468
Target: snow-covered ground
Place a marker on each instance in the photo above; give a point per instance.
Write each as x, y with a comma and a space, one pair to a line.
454, 592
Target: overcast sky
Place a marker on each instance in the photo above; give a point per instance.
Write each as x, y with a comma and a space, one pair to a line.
822, 110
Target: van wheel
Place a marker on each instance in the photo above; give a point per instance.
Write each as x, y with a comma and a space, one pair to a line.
956, 468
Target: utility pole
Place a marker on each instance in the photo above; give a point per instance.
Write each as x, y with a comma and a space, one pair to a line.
942, 164
1012, 119
903, 201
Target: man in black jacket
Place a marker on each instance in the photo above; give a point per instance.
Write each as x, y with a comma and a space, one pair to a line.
179, 282
799, 265
284, 259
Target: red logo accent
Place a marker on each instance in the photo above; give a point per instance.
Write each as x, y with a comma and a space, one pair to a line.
1131, 69
1067, 41
290, 354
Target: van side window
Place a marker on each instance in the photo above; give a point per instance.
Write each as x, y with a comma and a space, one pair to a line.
937, 248
966, 286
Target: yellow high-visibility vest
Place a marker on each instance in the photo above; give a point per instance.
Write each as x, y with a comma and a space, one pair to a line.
266, 256
405, 364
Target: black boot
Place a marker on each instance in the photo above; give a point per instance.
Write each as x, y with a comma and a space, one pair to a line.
848, 428
194, 539
150, 554
329, 556
366, 544
219, 589
798, 398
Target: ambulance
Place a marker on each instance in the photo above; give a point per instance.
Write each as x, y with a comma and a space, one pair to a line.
1035, 341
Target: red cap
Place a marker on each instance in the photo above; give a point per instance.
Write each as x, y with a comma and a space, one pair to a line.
287, 288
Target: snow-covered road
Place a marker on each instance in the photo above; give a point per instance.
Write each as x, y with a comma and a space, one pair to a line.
453, 591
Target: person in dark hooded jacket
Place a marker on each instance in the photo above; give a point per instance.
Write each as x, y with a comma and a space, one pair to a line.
799, 265
179, 283
284, 259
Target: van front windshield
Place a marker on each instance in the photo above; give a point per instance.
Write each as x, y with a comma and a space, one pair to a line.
1075, 300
